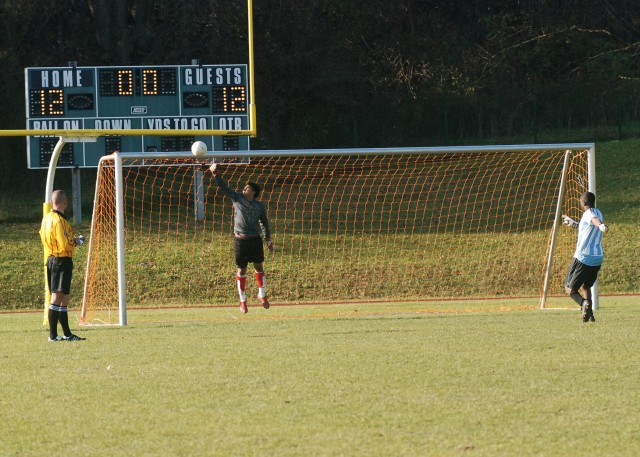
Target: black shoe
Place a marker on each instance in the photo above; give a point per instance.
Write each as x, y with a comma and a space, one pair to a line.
587, 312
73, 337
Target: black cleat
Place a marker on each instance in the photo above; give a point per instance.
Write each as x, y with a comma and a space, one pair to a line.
73, 337
587, 312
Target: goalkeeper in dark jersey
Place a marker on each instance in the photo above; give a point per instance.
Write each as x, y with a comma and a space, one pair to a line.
249, 221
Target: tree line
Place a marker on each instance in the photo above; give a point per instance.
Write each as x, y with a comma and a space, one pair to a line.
356, 73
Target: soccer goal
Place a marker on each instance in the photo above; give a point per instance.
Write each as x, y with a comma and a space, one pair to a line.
352, 225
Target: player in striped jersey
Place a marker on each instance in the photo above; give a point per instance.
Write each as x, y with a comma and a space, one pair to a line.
59, 242
589, 255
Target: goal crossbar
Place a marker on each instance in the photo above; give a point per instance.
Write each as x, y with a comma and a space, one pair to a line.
364, 151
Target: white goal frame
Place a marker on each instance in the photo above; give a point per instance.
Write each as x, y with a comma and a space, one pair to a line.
117, 158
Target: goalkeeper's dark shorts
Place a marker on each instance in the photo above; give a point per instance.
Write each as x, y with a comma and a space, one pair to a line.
248, 250
59, 272
580, 275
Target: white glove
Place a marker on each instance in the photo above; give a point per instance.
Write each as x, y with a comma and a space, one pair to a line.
566, 220
79, 240
603, 228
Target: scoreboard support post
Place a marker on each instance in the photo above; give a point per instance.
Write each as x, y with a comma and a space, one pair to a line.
198, 194
76, 194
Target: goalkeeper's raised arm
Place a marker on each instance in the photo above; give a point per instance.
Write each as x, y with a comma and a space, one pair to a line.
249, 220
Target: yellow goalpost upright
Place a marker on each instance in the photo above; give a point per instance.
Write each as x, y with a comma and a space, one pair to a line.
86, 135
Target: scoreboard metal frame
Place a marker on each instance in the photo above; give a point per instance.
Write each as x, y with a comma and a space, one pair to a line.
145, 100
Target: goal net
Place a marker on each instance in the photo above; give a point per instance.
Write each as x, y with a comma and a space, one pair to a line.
348, 225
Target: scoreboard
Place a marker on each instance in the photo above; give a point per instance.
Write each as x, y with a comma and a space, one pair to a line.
168, 97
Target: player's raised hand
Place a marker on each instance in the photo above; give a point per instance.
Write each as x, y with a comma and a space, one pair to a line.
214, 168
566, 220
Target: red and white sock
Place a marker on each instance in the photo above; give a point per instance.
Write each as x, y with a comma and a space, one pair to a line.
242, 287
262, 284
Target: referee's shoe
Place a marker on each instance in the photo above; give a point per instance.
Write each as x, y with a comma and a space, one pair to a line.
72, 337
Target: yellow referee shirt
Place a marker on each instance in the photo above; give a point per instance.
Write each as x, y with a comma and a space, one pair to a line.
56, 235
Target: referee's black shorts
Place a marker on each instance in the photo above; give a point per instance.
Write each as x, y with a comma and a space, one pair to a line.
59, 272
580, 275
248, 250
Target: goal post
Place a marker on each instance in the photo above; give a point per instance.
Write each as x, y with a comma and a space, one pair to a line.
51, 112
385, 224
556, 225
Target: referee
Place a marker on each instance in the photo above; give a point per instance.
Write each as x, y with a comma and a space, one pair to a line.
249, 219
58, 241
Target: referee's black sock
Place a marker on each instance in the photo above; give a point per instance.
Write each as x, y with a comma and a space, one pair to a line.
64, 321
53, 316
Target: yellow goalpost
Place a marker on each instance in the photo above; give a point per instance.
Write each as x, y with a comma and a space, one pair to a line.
90, 135
251, 131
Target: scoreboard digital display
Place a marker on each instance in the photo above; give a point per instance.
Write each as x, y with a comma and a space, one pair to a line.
178, 97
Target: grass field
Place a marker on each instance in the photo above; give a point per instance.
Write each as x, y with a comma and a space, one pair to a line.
299, 381
472, 378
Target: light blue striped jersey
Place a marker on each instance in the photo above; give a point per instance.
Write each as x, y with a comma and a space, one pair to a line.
589, 248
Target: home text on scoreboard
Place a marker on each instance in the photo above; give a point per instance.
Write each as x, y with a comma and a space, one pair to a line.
177, 97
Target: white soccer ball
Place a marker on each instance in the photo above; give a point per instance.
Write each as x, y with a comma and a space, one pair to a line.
199, 149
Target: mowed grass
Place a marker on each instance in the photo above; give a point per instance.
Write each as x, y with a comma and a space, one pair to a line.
474, 378
302, 381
